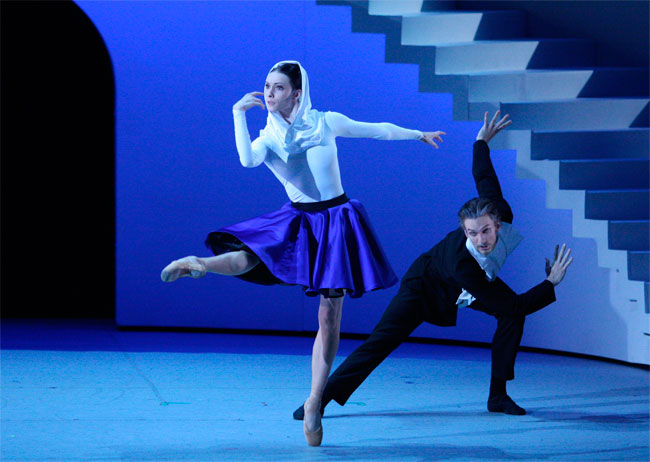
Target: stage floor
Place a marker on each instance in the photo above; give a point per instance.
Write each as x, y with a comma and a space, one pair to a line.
84, 391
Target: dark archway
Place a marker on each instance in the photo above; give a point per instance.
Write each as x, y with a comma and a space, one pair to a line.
57, 163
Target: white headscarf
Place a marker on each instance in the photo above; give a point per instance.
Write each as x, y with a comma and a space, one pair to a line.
508, 239
307, 129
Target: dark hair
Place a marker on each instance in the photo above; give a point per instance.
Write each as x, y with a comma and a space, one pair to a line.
478, 207
292, 71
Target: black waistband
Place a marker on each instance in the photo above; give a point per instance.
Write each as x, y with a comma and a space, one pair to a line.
323, 205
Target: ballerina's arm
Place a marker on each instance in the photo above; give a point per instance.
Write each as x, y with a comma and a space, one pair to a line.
341, 125
250, 154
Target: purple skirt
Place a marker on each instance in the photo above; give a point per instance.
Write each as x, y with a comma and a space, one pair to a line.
320, 246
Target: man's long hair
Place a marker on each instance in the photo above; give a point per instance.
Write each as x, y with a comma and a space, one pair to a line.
478, 207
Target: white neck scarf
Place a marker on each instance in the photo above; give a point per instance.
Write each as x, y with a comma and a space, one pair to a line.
307, 129
508, 238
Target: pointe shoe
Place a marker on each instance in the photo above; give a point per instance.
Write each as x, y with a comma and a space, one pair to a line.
185, 267
314, 438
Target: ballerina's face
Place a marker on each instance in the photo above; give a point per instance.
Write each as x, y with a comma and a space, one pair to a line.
279, 96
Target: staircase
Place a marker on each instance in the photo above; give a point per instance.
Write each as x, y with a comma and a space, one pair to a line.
581, 128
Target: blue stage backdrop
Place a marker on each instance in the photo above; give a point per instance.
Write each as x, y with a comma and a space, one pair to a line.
180, 66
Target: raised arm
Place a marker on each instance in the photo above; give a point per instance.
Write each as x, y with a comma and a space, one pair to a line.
250, 154
487, 182
341, 125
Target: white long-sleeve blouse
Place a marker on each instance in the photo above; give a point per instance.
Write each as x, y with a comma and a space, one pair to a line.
312, 175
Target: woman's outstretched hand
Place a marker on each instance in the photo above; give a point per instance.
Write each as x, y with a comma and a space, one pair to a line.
489, 129
429, 137
248, 101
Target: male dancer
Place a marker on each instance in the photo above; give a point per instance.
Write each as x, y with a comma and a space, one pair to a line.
460, 271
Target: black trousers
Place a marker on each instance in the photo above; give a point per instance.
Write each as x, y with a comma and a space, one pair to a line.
401, 318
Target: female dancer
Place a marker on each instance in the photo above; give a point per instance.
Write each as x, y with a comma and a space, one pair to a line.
321, 240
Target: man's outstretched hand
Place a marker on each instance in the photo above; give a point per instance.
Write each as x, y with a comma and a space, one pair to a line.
489, 129
561, 261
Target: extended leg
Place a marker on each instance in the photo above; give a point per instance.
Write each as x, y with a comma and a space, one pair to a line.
231, 263
228, 264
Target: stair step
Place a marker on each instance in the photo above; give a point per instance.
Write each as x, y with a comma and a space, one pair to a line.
605, 173
435, 28
629, 235
617, 205
438, 5
516, 55
638, 266
402, 7
621, 82
631, 143
394, 8
574, 114
545, 85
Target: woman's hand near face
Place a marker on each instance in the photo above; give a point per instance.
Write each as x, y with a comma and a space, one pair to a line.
248, 101
429, 137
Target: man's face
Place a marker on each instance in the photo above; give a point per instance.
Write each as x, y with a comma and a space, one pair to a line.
482, 232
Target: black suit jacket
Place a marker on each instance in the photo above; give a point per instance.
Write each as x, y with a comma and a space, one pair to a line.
437, 277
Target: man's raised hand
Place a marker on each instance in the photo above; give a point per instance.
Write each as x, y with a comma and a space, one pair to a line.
548, 263
560, 264
491, 128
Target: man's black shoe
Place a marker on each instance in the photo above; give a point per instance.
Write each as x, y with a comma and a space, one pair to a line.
505, 404
299, 414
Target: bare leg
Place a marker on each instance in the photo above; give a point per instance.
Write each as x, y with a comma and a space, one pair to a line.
231, 263
228, 264
323, 354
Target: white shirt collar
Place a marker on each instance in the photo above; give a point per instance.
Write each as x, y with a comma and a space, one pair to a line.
507, 240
